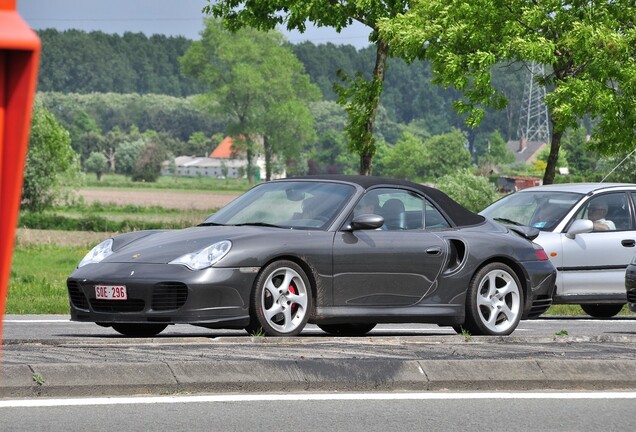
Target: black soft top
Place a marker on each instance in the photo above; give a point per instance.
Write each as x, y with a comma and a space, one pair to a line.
460, 215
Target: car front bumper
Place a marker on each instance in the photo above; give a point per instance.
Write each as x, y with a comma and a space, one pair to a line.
163, 293
630, 286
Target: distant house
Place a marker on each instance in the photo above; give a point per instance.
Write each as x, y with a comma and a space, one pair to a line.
223, 157
512, 184
189, 166
525, 151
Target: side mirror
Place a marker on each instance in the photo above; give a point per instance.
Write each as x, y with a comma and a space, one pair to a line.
579, 226
366, 222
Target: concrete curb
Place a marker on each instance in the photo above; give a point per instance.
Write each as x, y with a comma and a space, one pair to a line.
114, 378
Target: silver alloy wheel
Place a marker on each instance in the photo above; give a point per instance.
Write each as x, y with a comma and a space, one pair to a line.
284, 300
498, 301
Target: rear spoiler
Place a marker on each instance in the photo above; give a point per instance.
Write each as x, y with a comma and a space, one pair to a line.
525, 231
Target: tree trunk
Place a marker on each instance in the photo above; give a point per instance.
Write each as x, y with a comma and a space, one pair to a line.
366, 155
267, 149
553, 158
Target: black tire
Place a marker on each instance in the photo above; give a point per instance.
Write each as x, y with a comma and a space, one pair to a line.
281, 301
346, 329
139, 330
601, 310
494, 301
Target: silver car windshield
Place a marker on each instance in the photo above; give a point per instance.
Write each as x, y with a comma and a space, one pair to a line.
540, 209
301, 204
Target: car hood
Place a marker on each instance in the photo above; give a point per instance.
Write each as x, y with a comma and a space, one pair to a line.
160, 247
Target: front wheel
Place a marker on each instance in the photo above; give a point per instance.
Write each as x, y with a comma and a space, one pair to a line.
346, 329
601, 310
494, 301
139, 330
281, 301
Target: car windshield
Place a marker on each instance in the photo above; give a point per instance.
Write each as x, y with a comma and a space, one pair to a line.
539, 209
289, 204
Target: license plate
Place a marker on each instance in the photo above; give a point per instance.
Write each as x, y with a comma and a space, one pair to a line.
111, 292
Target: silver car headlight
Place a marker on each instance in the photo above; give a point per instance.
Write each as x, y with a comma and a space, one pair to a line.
98, 253
205, 257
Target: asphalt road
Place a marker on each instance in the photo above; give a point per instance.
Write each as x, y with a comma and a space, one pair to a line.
320, 412
52, 327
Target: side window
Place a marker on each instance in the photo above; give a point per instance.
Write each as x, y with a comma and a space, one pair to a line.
609, 212
401, 210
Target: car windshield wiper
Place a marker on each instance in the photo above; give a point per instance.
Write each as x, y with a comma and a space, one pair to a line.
211, 224
508, 221
264, 224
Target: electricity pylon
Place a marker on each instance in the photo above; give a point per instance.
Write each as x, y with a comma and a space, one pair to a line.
533, 120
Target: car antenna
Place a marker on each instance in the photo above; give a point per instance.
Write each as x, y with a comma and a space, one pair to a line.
619, 164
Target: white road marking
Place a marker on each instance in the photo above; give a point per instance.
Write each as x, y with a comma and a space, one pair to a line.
38, 403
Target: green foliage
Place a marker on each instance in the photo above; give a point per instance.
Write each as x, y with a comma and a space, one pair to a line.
75, 61
255, 78
581, 159
96, 163
491, 149
148, 164
41, 288
362, 95
407, 159
91, 222
51, 165
589, 48
127, 154
447, 153
471, 191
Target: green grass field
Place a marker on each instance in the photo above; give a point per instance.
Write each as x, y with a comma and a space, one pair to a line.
38, 278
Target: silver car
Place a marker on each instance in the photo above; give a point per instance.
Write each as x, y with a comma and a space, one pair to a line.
589, 233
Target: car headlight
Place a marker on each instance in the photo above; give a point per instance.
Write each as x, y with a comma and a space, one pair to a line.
205, 257
98, 253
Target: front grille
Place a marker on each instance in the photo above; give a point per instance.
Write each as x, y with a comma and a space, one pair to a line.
75, 294
110, 306
539, 306
169, 296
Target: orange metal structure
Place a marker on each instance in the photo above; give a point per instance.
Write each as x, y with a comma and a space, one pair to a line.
19, 57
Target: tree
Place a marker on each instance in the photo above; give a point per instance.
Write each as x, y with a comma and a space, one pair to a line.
473, 192
252, 75
588, 46
127, 154
360, 95
148, 165
51, 164
96, 163
407, 159
491, 149
447, 153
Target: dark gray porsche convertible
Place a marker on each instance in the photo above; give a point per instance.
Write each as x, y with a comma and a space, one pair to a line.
343, 252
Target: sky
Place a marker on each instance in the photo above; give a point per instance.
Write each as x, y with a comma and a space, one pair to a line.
168, 17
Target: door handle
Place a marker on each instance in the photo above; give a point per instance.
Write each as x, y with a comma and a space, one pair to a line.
628, 243
434, 250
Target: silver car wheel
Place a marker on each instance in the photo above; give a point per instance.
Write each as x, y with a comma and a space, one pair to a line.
498, 301
284, 299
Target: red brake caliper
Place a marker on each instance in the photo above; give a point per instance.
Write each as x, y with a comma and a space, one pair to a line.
294, 306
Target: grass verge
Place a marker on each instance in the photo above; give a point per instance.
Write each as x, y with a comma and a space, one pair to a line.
37, 284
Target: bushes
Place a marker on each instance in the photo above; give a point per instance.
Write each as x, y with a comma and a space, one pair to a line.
471, 191
91, 222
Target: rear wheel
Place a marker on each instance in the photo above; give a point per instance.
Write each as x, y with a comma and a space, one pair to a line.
601, 310
346, 329
281, 301
494, 301
139, 330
